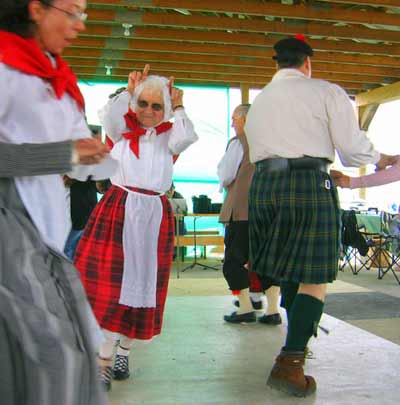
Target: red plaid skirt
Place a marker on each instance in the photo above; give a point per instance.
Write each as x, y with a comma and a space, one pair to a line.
100, 261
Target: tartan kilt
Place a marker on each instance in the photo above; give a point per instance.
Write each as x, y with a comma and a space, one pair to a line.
294, 226
100, 260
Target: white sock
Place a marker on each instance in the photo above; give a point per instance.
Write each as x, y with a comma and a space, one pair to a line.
256, 296
107, 348
273, 300
125, 345
244, 302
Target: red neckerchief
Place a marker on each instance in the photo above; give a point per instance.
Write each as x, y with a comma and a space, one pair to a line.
25, 55
136, 131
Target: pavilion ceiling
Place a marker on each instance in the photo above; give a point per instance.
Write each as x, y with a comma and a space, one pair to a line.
229, 42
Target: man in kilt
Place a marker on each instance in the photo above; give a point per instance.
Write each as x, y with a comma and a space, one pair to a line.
125, 253
293, 129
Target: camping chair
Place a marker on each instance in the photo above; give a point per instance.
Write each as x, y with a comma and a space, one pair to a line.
391, 245
353, 243
376, 238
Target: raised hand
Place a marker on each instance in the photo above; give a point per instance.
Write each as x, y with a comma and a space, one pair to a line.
340, 179
91, 150
136, 77
386, 160
171, 84
176, 94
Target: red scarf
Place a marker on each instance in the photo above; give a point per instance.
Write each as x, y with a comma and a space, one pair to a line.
25, 55
136, 131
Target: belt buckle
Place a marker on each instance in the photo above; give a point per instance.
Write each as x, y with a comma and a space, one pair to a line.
327, 184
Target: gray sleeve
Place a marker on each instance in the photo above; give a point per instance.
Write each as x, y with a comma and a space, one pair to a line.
35, 159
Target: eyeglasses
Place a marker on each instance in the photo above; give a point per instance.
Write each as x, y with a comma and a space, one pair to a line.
154, 106
77, 16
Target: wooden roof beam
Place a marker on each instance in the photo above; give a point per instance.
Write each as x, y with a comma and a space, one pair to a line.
121, 80
376, 3
242, 77
252, 40
228, 50
278, 10
236, 24
222, 80
269, 66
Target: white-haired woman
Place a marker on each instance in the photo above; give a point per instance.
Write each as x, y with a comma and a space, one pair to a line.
125, 254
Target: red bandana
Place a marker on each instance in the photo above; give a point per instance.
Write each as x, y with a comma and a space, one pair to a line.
25, 55
137, 131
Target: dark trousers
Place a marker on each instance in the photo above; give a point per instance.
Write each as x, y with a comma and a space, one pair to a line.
236, 255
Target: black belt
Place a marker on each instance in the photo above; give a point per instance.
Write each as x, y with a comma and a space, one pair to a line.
283, 164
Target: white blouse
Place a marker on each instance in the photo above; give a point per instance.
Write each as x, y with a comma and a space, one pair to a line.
31, 112
153, 169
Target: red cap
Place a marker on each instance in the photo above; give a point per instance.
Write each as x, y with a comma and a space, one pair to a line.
301, 37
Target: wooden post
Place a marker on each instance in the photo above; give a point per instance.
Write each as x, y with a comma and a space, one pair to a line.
380, 95
244, 89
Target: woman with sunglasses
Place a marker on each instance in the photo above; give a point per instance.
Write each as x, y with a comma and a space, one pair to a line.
125, 253
47, 355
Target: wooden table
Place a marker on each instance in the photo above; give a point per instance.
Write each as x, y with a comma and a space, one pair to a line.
195, 239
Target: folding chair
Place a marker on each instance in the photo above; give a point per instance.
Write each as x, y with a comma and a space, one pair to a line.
391, 246
376, 239
353, 243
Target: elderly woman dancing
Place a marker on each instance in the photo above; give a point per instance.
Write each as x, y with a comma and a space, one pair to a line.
125, 253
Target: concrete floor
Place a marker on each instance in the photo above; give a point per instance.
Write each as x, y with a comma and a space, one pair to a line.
199, 359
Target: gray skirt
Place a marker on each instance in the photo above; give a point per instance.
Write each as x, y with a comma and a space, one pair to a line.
294, 226
46, 352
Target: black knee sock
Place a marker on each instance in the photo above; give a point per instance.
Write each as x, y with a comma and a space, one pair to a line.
288, 294
305, 314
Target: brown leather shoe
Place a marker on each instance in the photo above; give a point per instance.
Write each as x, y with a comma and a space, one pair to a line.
287, 375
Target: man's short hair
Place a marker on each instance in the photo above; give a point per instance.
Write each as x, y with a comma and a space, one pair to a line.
243, 109
292, 52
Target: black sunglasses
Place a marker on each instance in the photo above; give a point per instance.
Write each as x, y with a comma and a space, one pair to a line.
154, 106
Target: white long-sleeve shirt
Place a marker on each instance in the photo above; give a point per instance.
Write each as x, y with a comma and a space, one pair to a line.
229, 164
31, 113
153, 169
295, 116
